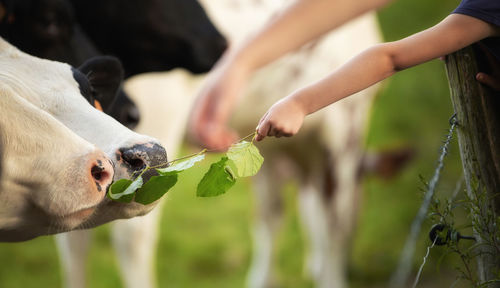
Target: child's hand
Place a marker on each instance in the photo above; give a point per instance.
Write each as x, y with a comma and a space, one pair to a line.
489, 80
284, 118
492, 79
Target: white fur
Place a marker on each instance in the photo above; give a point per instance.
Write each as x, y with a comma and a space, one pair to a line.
46, 166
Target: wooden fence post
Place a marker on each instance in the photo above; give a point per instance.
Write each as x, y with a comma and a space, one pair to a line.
478, 113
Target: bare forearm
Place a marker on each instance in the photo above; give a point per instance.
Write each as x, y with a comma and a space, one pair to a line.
366, 69
383, 60
298, 24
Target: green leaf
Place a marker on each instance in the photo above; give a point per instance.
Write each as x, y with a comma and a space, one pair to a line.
216, 181
123, 189
181, 166
246, 158
155, 188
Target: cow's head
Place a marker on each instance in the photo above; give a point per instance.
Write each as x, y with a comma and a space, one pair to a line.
65, 93
99, 80
152, 35
52, 179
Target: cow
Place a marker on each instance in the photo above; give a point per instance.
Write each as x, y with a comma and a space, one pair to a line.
152, 35
58, 97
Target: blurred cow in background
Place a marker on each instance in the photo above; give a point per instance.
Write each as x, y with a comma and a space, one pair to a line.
326, 159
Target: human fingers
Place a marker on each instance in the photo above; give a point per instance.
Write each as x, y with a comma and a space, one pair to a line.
263, 128
488, 80
278, 134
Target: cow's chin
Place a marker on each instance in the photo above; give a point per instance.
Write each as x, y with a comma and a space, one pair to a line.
40, 223
110, 210
75, 219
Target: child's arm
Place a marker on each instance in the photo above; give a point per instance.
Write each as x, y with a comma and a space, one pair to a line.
456, 31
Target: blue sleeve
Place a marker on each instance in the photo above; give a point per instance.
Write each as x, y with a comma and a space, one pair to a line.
486, 10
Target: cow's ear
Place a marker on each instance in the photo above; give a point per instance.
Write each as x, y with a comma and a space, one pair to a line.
105, 75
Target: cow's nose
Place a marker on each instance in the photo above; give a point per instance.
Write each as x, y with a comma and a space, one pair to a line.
144, 155
101, 171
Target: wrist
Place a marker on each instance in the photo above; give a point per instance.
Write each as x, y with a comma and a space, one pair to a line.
302, 99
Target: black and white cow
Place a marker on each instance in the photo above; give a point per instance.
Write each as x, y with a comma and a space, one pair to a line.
37, 153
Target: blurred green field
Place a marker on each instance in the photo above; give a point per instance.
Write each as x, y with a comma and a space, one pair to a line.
206, 242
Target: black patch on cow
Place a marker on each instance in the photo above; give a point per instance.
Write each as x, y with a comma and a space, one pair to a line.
137, 157
84, 85
99, 188
100, 79
124, 110
152, 35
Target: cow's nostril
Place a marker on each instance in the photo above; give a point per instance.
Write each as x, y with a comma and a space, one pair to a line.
136, 163
134, 158
140, 156
99, 173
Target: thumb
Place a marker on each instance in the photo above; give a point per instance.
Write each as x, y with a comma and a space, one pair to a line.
262, 130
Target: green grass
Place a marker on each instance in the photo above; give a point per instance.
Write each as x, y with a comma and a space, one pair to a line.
206, 242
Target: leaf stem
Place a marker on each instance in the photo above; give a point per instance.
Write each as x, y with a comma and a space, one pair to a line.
253, 135
142, 172
178, 159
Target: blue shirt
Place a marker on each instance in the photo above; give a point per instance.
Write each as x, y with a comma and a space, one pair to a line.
487, 11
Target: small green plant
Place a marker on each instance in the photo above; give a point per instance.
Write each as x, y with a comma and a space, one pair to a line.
241, 160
